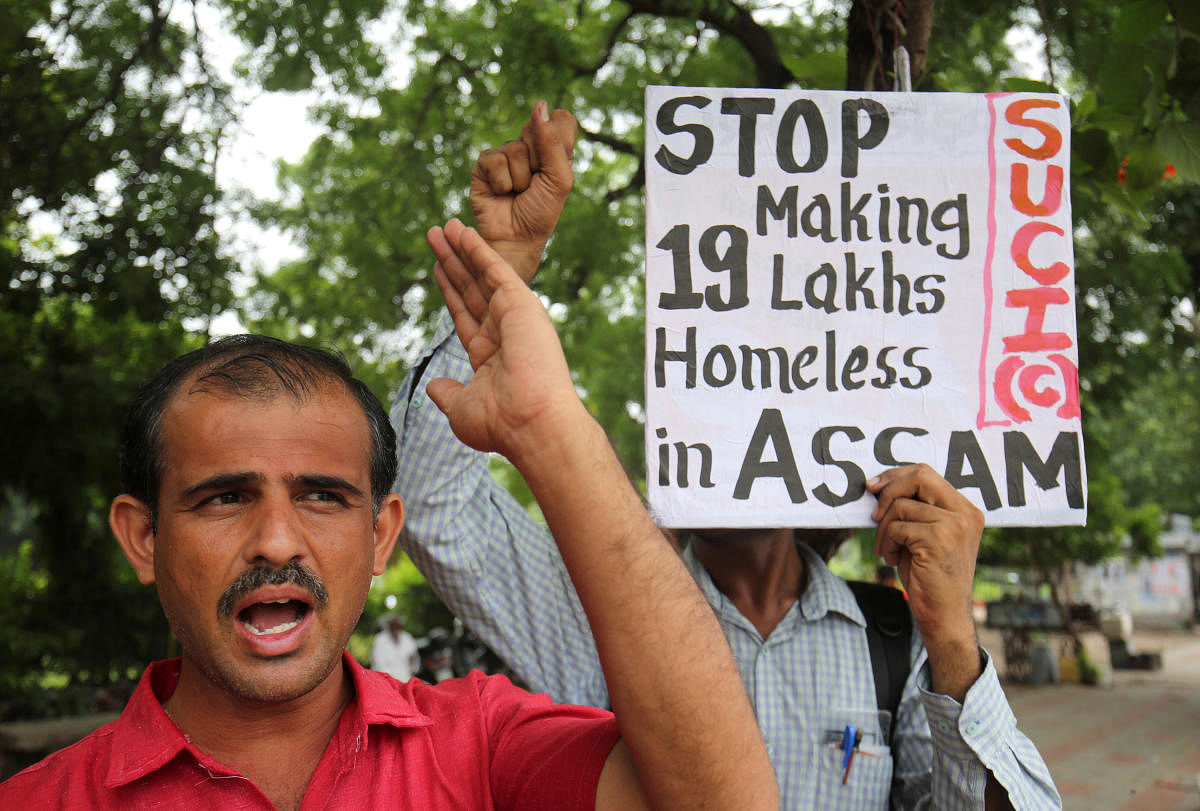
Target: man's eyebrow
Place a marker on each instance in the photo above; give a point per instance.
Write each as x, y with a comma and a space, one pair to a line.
322, 481
221, 481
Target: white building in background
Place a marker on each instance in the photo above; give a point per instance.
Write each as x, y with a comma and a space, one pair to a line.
1157, 592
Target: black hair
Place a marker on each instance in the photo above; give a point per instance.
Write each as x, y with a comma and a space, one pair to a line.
252, 366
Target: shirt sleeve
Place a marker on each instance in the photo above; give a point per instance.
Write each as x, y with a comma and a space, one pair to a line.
912, 746
544, 755
946, 749
494, 566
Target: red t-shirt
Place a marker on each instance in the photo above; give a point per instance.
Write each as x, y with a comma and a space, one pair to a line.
471, 743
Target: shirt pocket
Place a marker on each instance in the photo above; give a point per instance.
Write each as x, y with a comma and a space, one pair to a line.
869, 777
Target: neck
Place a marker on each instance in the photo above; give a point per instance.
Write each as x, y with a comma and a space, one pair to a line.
760, 571
276, 745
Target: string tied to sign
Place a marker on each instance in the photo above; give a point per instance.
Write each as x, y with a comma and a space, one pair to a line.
901, 69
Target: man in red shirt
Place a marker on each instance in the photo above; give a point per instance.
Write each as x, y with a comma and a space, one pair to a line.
257, 477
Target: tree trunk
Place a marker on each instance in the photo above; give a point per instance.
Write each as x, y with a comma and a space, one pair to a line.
920, 27
873, 30
1054, 581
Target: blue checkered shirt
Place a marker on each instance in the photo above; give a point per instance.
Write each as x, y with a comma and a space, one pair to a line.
500, 572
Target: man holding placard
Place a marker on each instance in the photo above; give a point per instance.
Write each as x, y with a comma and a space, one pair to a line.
797, 634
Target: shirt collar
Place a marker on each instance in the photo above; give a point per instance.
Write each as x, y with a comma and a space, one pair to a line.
825, 592
146, 739
380, 699
703, 579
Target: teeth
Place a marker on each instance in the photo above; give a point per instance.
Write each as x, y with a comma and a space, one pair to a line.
278, 629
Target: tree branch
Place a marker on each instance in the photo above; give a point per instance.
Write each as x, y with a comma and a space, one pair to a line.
735, 21
610, 141
1041, 9
635, 183
638, 180
862, 46
613, 36
116, 82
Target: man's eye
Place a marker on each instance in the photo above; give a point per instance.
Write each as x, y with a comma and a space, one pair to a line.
222, 498
325, 496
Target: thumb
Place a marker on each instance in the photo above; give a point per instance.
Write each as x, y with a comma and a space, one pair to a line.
567, 128
444, 391
550, 139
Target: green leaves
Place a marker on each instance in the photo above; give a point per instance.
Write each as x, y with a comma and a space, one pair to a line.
291, 42
1019, 84
108, 243
1179, 143
1139, 21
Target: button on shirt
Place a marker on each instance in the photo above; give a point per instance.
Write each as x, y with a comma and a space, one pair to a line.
501, 573
476, 742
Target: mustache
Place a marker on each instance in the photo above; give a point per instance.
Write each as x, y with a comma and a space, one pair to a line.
291, 573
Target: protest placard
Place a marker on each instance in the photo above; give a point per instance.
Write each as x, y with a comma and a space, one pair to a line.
837, 283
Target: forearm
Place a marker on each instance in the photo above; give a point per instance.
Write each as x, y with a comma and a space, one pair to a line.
671, 678
525, 255
954, 660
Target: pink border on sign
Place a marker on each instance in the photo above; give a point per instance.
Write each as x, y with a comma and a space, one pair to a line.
987, 263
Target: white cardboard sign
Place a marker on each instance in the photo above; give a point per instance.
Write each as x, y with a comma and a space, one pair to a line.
837, 283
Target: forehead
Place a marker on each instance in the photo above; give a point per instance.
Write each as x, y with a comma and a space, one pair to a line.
211, 431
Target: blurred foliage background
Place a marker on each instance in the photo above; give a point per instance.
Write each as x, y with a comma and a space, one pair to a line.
116, 254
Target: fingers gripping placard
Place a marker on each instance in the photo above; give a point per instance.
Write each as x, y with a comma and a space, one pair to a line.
842, 282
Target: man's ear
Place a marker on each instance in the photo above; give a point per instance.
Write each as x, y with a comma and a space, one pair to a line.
130, 521
387, 528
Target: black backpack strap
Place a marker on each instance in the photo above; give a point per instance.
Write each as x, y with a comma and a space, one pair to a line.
889, 638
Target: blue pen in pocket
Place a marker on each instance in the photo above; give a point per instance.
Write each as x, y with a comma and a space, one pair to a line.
851, 738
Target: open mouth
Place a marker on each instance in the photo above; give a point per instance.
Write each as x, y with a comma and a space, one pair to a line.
272, 616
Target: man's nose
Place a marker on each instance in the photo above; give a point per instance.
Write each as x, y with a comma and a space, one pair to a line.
276, 535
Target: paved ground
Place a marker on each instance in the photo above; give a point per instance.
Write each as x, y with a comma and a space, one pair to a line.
1134, 745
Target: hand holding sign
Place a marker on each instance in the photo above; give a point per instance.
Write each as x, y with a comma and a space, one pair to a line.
519, 189
931, 533
521, 387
